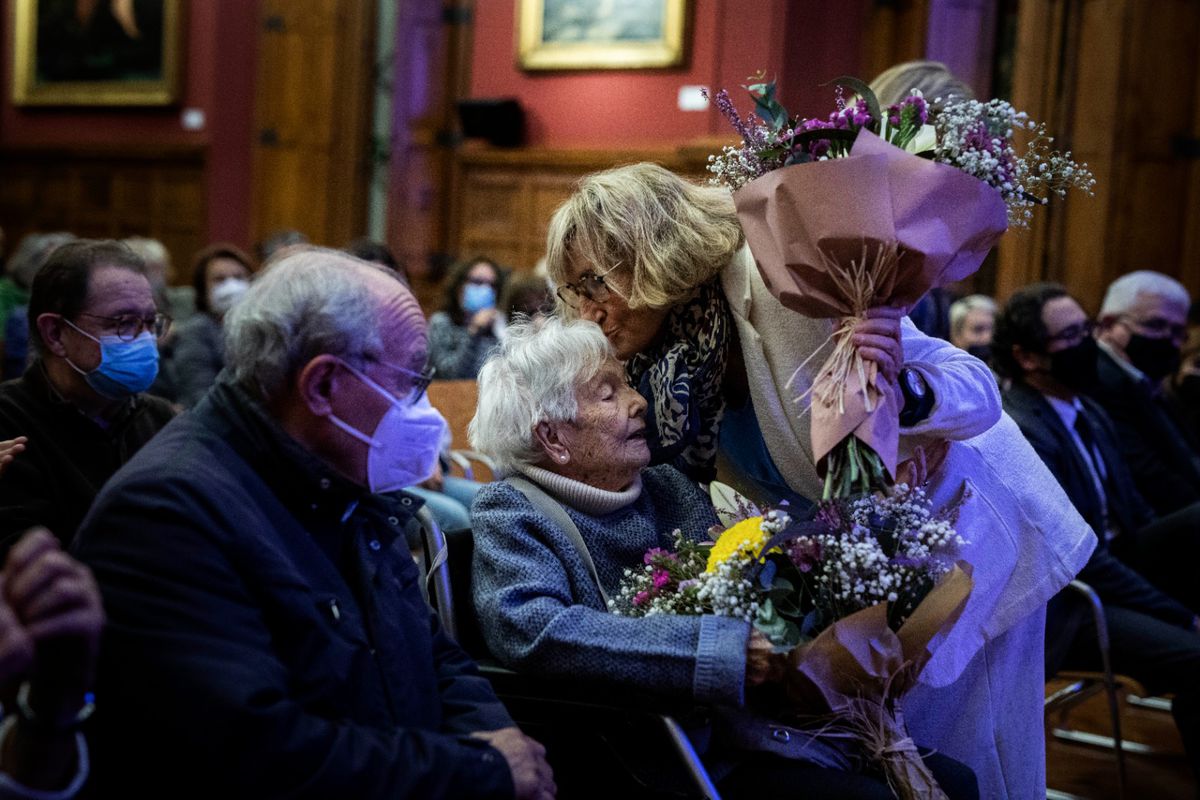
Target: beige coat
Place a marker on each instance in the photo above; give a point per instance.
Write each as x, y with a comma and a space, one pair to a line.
981, 697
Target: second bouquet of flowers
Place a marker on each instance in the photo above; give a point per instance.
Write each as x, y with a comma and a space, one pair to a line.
857, 595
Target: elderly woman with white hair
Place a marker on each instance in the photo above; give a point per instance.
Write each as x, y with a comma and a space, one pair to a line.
972, 325
579, 508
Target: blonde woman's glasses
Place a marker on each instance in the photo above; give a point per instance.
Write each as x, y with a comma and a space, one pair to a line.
591, 286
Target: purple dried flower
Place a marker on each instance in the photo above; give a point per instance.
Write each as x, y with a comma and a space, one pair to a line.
640, 598
725, 106
653, 553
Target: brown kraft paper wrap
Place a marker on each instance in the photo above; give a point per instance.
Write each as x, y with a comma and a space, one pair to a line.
879, 228
858, 670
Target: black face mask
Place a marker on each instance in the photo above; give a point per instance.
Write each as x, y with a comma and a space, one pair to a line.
1156, 358
981, 351
1075, 367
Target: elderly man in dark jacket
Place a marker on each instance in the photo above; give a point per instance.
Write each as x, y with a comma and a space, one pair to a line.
267, 636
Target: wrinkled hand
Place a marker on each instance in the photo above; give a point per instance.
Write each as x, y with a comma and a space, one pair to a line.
56, 600
9, 449
878, 340
482, 321
435, 481
763, 664
531, 773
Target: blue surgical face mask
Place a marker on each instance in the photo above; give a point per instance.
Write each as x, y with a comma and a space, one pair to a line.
478, 296
125, 368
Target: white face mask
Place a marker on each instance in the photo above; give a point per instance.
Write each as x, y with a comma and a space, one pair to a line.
226, 293
405, 445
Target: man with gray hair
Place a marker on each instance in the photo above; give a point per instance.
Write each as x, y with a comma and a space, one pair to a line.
1142, 326
267, 637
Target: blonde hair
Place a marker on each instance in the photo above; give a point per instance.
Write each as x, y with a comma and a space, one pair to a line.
933, 78
670, 235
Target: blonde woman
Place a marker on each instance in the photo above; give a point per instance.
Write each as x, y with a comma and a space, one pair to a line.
661, 265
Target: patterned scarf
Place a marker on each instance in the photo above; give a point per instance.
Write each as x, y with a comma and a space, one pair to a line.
680, 377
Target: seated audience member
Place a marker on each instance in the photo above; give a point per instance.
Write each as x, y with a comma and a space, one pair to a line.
94, 326
556, 411
1183, 388
220, 276
1142, 325
1044, 345
50, 622
972, 322
31, 253
267, 636
467, 327
279, 241
377, 253
526, 295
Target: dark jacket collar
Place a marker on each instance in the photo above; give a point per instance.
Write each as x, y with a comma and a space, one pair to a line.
38, 380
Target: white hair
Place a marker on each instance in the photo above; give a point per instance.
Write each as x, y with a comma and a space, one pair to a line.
1122, 293
532, 377
960, 308
305, 304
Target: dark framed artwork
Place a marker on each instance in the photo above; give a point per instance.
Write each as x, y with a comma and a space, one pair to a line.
96, 52
584, 34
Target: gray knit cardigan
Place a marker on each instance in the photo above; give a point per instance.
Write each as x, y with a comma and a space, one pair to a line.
541, 613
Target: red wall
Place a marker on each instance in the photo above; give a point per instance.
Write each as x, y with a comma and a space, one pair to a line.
219, 52
801, 42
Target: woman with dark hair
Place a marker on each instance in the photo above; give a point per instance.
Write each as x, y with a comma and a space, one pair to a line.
463, 332
220, 275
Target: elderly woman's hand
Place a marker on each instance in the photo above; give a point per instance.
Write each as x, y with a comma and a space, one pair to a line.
763, 663
878, 340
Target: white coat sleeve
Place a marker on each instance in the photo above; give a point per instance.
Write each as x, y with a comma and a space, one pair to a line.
966, 397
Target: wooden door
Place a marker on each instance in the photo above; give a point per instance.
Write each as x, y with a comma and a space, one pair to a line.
1118, 81
313, 115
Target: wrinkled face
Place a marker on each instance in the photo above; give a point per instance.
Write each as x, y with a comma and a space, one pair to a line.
977, 329
602, 301
607, 439
1152, 316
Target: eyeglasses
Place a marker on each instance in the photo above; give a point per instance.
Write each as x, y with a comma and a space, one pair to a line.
130, 326
1074, 333
591, 286
420, 382
1160, 328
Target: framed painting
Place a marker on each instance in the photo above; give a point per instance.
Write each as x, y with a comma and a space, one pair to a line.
614, 34
96, 52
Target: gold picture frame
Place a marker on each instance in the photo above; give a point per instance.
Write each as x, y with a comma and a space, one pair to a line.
572, 34
123, 54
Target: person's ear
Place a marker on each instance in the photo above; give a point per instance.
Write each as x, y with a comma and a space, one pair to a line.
550, 441
50, 327
1028, 360
317, 382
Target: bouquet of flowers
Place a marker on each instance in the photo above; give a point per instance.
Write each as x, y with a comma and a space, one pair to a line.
857, 594
906, 203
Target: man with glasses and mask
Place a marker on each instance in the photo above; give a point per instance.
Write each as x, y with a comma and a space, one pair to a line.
1143, 566
94, 325
267, 636
1142, 326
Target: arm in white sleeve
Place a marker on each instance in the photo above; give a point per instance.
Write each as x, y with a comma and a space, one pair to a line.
966, 397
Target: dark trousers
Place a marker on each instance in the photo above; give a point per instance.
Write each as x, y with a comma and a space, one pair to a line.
770, 776
1161, 656
1166, 553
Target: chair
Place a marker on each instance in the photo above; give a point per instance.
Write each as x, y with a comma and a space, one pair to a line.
456, 401
1082, 686
601, 743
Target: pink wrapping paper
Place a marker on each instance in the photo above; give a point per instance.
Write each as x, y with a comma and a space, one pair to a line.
941, 221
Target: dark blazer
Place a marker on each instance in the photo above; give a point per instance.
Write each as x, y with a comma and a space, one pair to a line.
1116, 583
69, 456
266, 633
1164, 466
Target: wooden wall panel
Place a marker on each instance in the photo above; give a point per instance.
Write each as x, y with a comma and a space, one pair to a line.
107, 193
505, 198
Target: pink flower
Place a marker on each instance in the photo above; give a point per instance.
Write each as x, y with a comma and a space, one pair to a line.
640, 598
661, 578
653, 553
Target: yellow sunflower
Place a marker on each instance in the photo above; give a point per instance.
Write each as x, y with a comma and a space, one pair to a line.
746, 537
